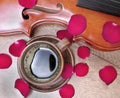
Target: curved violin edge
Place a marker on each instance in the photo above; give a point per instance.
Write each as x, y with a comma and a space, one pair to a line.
44, 21
12, 32
92, 44
95, 45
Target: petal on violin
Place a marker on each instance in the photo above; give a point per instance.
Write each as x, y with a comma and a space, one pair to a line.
77, 24
83, 52
27, 3
67, 71
67, 91
65, 34
111, 32
108, 74
23, 87
5, 61
17, 47
81, 69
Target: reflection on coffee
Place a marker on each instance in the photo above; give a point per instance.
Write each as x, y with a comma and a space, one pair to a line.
44, 63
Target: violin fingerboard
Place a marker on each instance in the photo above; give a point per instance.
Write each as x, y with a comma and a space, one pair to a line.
106, 6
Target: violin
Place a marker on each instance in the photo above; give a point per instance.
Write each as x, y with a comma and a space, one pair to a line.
15, 18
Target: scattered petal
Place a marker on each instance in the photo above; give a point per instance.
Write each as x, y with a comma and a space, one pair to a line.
17, 47
83, 52
81, 69
27, 3
23, 87
5, 61
67, 91
67, 71
64, 34
77, 24
111, 32
108, 74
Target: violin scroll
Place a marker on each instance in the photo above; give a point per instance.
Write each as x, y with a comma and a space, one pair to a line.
59, 7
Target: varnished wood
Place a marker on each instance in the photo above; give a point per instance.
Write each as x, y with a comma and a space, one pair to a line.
95, 20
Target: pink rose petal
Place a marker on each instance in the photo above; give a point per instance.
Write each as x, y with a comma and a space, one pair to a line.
67, 91
23, 87
64, 34
77, 24
111, 32
81, 69
83, 52
27, 3
108, 74
67, 71
5, 61
17, 47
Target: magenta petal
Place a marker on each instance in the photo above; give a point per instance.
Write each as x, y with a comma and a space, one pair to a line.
67, 91
27, 3
17, 47
81, 69
67, 71
77, 24
64, 34
83, 52
111, 32
23, 87
108, 74
5, 61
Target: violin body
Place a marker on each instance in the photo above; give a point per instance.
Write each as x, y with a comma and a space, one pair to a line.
13, 20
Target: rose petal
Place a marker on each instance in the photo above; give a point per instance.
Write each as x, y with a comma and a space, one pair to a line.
83, 52
17, 47
81, 69
64, 34
111, 32
23, 87
67, 91
108, 74
5, 61
27, 3
67, 71
77, 24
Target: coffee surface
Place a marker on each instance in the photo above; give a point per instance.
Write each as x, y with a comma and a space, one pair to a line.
44, 63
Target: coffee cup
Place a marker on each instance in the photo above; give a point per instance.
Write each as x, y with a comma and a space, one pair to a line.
42, 62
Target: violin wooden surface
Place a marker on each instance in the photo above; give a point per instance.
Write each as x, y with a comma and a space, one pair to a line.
11, 20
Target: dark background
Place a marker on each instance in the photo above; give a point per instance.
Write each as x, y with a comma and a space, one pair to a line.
106, 6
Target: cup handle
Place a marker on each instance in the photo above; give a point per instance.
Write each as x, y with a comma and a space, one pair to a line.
63, 44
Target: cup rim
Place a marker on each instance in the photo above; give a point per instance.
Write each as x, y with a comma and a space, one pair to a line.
54, 78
